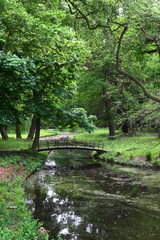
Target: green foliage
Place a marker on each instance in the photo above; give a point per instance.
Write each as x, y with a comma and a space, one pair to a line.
16, 221
43, 97
16, 82
25, 160
42, 72
77, 117
138, 56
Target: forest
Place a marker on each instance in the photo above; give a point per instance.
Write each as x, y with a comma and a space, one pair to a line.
71, 63
88, 66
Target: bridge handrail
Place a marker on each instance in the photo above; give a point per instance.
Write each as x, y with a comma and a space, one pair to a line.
68, 142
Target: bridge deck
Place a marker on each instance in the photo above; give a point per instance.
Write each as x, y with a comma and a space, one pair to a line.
70, 147
69, 144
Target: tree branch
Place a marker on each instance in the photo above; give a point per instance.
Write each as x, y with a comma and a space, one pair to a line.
148, 95
125, 28
85, 17
151, 51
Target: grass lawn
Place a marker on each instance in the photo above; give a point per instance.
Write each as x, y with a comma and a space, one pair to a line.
13, 143
43, 133
125, 148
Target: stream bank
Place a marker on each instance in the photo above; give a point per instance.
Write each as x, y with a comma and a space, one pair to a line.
16, 222
12, 164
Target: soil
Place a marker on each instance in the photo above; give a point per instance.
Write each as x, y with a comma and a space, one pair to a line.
8, 172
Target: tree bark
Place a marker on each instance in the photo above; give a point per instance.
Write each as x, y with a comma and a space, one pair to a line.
109, 113
18, 131
37, 134
125, 127
111, 127
4, 134
159, 131
32, 128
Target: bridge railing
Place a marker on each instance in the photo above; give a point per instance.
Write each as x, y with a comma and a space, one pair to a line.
67, 142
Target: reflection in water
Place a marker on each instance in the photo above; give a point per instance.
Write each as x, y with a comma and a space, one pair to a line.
97, 204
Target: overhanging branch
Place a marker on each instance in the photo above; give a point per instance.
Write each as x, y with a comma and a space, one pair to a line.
125, 28
85, 17
126, 74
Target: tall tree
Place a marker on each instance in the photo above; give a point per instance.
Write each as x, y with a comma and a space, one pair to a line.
126, 21
35, 31
16, 82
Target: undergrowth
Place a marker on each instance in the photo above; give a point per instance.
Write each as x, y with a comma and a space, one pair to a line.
16, 222
30, 161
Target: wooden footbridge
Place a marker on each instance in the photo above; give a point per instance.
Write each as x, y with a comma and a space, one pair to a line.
49, 145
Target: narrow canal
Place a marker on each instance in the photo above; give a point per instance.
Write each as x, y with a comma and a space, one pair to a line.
93, 202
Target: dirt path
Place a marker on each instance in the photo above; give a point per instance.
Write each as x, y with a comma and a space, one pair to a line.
63, 135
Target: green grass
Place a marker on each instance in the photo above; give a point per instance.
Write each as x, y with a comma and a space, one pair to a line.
43, 133
16, 222
13, 143
27, 160
124, 148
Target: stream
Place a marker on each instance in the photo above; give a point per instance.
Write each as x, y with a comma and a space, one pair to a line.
80, 199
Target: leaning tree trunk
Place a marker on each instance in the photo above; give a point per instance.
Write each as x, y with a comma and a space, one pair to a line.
109, 112
4, 134
18, 130
37, 134
32, 128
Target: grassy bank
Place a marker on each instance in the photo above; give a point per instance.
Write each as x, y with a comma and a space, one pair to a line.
16, 222
141, 150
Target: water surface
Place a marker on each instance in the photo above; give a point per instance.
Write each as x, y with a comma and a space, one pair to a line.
95, 203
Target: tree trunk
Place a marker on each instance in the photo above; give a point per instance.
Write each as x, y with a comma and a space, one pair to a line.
159, 131
111, 127
18, 131
4, 134
125, 127
37, 134
32, 128
109, 112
